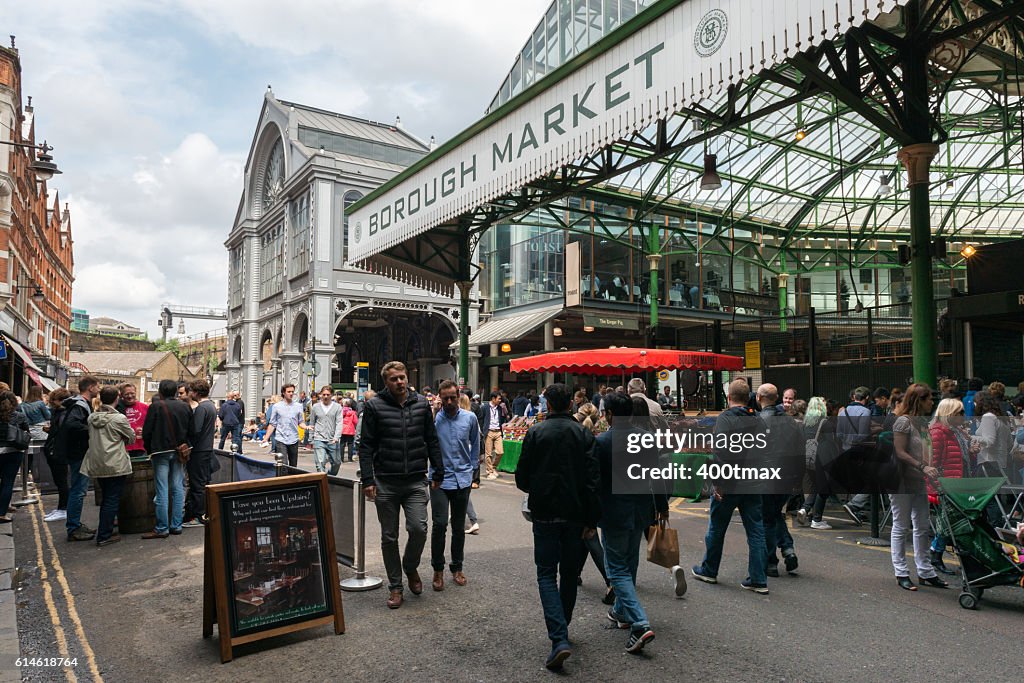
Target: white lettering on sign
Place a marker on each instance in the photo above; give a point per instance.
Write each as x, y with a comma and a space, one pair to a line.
649, 75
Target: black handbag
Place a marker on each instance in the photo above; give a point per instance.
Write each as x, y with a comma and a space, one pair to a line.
17, 437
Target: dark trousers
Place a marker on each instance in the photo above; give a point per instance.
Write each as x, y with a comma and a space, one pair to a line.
347, 442
441, 501
557, 548
10, 464
236, 436
198, 469
410, 498
593, 547
59, 472
289, 449
776, 533
111, 487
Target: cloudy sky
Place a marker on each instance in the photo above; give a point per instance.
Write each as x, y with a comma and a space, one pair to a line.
151, 106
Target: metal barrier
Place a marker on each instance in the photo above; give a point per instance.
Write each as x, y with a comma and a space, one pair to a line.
346, 500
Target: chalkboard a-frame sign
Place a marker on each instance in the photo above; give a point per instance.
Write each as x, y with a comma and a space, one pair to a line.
270, 567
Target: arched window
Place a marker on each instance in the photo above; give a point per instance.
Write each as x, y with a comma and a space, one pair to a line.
351, 197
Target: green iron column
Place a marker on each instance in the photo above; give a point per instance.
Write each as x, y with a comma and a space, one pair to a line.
783, 279
654, 258
917, 160
465, 287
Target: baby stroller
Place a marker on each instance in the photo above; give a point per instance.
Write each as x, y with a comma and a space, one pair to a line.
985, 560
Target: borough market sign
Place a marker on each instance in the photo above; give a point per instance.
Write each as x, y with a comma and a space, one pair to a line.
677, 53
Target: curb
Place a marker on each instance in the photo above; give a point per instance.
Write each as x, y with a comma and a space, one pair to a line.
10, 647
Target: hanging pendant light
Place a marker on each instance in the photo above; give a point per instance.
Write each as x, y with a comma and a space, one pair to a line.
884, 187
710, 180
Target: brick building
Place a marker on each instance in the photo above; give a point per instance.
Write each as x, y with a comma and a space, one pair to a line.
36, 260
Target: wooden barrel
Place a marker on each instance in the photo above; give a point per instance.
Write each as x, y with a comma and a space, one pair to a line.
137, 513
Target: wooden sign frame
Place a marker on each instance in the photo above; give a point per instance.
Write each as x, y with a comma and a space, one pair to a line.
222, 556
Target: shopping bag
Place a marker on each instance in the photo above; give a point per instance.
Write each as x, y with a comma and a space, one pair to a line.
663, 545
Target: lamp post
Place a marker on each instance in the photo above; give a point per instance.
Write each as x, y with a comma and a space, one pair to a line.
43, 166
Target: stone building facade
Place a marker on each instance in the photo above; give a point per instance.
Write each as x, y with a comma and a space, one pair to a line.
292, 298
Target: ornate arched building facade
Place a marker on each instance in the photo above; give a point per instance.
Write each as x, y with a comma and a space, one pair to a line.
292, 297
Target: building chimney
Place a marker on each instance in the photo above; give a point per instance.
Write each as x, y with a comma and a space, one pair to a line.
398, 122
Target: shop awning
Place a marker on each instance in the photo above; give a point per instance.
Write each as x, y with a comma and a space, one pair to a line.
48, 383
615, 361
511, 328
24, 355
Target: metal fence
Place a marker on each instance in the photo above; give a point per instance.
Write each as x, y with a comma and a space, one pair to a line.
825, 353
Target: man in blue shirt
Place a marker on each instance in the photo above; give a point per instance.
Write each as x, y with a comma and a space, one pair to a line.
458, 431
285, 423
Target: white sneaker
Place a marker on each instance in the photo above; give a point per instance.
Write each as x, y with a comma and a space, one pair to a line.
492, 475
473, 528
55, 515
821, 525
679, 580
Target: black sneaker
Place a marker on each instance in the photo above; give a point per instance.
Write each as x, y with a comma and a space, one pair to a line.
853, 515
759, 588
773, 570
617, 619
82, 533
638, 639
791, 562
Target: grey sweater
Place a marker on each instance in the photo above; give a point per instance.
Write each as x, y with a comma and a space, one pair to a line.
325, 422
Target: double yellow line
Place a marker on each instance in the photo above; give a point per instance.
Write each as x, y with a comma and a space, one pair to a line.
40, 529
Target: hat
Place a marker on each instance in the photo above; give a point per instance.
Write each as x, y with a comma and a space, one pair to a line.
476, 395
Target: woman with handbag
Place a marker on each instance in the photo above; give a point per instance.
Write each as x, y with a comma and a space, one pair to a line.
820, 449
948, 458
910, 506
107, 461
14, 438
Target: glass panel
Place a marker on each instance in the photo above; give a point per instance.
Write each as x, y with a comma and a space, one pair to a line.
565, 30
580, 36
527, 57
517, 77
611, 15
553, 60
539, 51
627, 10
596, 29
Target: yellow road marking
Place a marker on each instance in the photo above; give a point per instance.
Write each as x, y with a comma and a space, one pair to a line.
72, 611
51, 606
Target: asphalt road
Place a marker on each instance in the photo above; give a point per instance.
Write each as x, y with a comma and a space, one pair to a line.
133, 612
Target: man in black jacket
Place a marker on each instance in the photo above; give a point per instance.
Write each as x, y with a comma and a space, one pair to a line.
165, 428
201, 428
559, 469
397, 442
73, 441
491, 416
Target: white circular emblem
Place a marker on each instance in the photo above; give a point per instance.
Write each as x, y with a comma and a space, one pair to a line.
359, 231
711, 32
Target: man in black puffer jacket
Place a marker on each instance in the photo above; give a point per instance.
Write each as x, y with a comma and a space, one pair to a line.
397, 443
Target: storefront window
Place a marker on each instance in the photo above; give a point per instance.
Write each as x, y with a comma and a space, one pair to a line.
526, 264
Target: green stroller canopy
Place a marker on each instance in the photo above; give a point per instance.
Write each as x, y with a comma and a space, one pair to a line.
971, 494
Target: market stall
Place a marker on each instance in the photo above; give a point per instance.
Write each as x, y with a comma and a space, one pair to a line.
625, 361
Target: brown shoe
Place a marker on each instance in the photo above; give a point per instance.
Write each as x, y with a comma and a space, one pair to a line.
395, 599
415, 583
154, 534
459, 578
438, 582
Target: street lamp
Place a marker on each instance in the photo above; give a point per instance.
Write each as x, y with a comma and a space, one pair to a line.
43, 166
37, 291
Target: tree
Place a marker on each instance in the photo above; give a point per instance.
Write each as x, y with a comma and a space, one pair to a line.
170, 345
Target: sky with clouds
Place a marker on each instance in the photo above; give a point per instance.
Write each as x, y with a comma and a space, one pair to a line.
151, 106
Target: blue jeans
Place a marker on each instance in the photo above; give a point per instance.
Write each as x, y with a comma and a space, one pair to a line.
621, 559
10, 463
557, 547
76, 495
721, 515
168, 471
324, 452
112, 487
776, 532
236, 436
